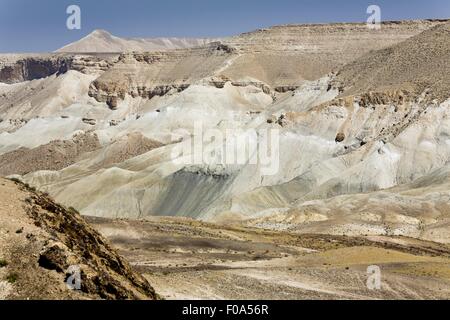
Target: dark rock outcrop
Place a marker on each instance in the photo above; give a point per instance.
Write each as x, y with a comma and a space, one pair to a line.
32, 68
104, 273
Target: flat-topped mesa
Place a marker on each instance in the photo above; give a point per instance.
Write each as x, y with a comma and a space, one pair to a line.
280, 57
285, 55
320, 38
289, 35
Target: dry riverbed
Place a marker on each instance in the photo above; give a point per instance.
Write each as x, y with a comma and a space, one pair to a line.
187, 259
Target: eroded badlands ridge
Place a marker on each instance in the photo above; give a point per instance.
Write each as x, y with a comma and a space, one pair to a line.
363, 117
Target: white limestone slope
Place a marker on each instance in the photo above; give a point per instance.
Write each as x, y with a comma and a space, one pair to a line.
313, 167
310, 159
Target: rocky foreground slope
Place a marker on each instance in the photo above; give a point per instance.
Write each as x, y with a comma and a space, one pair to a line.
362, 116
44, 245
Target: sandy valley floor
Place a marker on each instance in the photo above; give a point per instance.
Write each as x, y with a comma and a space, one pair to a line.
187, 259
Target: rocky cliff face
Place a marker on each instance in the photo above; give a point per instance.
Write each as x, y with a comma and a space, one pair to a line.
93, 64
41, 242
32, 68
19, 68
152, 74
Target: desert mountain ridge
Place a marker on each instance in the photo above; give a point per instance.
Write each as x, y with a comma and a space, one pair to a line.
340, 139
101, 41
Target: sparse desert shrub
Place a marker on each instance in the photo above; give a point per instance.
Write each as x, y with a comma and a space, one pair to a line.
12, 277
73, 210
15, 180
3, 263
258, 257
30, 188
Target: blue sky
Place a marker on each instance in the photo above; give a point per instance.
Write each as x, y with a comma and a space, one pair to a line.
40, 25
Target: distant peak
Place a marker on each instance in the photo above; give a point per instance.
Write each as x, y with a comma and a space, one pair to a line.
101, 32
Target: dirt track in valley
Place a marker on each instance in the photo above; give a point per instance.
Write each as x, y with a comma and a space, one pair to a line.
187, 259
